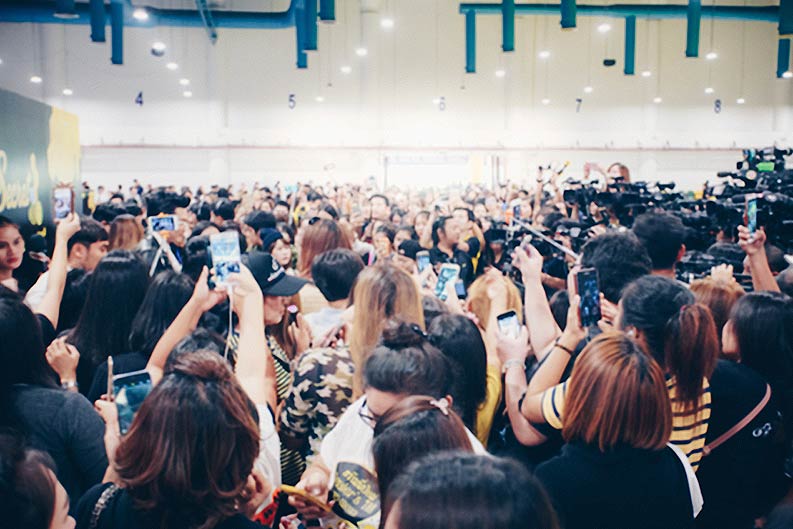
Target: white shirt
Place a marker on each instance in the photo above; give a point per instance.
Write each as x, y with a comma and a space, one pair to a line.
269, 460
36, 293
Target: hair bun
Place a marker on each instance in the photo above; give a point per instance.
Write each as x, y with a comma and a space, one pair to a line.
400, 334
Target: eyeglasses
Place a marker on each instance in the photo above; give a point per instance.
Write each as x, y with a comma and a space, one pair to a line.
367, 416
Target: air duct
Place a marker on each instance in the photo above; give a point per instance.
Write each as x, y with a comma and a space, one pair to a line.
470, 42
630, 45
310, 40
508, 25
568, 9
786, 17
65, 9
97, 20
783, 58
327, 10
117, 31
693, 18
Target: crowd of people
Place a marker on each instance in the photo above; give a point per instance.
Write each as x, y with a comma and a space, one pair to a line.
339, 377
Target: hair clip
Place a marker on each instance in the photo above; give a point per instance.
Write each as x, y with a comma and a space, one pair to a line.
415, 328
442, 405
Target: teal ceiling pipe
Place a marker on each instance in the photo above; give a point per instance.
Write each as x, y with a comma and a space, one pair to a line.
693, 19
508, 25
310, 34
786, 17
209, 22
65, 8
327, 10
568, 9
783, 57
470, 42
117, 31
630, 45
300, 34
97, 20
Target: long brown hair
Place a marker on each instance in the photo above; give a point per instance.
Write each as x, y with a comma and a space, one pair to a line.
381, 292
125, 233
719, 296
479, 301
187, 457
617, 395
319, 237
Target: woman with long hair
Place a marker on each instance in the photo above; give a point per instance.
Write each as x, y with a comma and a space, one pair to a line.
125, 233
317, 236
12, 250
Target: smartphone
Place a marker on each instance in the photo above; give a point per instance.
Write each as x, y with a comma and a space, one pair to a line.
751, 213
422, 260
225, 250
110, 378
589, 293
459, 288
516, 211
508, 324
130, 390
62, 202
449, 272
164, 223
305, 496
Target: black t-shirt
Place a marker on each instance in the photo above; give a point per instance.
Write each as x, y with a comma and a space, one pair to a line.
458, 257
120, 513
624, 488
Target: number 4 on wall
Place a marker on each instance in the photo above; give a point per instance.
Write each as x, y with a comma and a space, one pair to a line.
139, 99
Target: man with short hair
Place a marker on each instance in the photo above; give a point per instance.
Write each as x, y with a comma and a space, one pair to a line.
223, 211
334, 273
663, 236
253, 223
381, 207
85, 249
445, 239
281, 211
619, 258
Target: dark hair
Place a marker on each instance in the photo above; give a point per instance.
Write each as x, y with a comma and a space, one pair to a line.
286, 229
406, 363
108, 212
200, 339
334, 272
115, 292
5, 222
191, 446
201, 226
433, 308
439, 224
560, 304
74, 293
459, 339
680, 334
412, 428
202, 211
132, 208
259, 220
467, 491
378, 195
166, 296
389, 230
27, 490
662, 235
164, 202
90, 232
411, 230
283, 203
728, 252
776, 258
619, 258
196, 256
224, 209
468, 212
785, 281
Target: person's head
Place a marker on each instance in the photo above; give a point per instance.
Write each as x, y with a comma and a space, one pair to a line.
12, 246
125, 233
205, 228
381, 292
404, 233
403, 363
785, 281
167, 295
88, 246
381, 207
115, 293
617, 170
719, 296
276, 285
334, 273
446, 231
619, 258
223, 211
617, 396
433, 308
663, 236
459, 339
678, 332
760, 332
281, 211
318, 237
411, 429
383, 239
462, 216
254, 222
191, 446
466, 491
560, 304
420, 221
30, 494
478, 300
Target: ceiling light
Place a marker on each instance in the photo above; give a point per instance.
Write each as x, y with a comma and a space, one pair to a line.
647, 73
740, 101
319, 99
657, 100
544, 54
36, 79
588, 89
501, 73
387, 23
787, 75
546, 101
709, 90
361, 51
140, 14
345, 69
184, 82
158, 46
187, 93
67, 91
172, 66
712, 56
604, 28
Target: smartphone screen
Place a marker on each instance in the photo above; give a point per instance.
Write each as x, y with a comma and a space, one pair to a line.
225, 250
508, 324
449, 272
166, 223
589, 292
422, 260
63, 202
459, 288
130, 390
751, 215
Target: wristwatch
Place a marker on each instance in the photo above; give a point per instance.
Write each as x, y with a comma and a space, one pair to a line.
69, 384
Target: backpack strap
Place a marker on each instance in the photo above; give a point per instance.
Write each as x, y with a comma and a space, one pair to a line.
726, 436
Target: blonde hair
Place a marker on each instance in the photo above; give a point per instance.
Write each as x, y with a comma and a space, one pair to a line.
381, 292
125, 233
479, 301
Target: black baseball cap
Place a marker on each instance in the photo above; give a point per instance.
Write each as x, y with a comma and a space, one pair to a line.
409, 248
271, 277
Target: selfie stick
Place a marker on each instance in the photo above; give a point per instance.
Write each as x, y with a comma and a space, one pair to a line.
547, 239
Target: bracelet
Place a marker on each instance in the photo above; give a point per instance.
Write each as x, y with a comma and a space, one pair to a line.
69, 384
563, 348
511, 363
